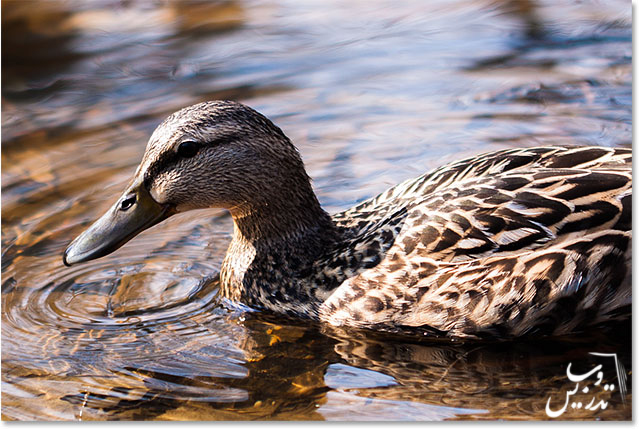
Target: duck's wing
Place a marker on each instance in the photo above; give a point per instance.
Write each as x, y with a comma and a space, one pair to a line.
506, 202
556, 226
517, 212
488, 165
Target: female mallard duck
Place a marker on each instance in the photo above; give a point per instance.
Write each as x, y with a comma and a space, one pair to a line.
510, 243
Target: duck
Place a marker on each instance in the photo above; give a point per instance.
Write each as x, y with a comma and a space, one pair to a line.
511, 243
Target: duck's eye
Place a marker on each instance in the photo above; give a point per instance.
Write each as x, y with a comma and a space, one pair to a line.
187, 149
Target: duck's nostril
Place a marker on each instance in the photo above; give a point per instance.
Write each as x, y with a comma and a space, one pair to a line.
127, 203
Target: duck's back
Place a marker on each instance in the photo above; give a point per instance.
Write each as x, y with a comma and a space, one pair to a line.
508, 243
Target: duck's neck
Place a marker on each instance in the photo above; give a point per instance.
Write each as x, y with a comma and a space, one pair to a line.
273, 248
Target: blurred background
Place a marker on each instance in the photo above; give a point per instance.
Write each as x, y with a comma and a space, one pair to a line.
371, 92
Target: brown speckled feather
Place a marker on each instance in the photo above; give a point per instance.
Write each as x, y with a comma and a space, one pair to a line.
504, 244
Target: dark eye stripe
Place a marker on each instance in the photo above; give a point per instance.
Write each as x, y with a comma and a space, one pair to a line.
161, 163
168, 158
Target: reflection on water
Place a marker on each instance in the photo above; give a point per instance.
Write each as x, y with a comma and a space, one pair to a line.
372, 93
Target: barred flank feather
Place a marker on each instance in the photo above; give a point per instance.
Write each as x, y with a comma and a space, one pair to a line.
505, 244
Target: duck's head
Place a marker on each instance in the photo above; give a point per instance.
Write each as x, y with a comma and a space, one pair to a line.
213, 154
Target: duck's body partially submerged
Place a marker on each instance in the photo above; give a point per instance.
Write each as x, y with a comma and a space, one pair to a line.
514, 242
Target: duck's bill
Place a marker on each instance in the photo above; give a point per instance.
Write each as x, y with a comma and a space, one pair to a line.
130, 215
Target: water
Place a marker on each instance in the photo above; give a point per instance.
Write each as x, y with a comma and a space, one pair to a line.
372, 93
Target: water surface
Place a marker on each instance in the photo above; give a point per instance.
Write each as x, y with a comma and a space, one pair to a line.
372, 93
